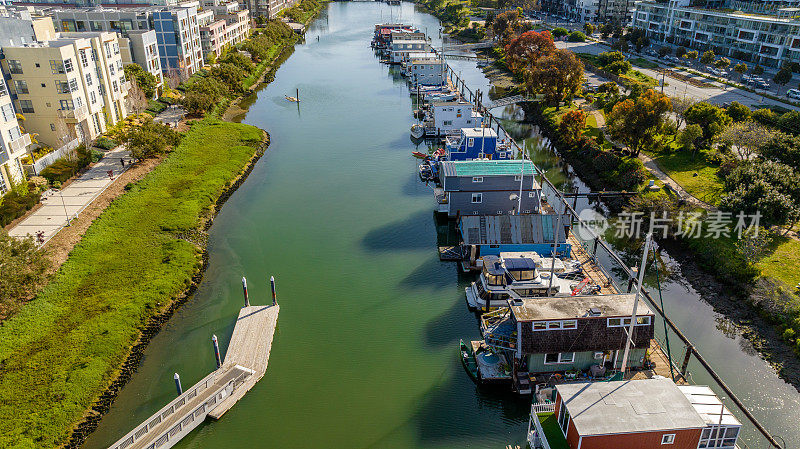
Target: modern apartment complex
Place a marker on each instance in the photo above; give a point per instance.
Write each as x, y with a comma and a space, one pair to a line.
84, 3
767, 34
13, 142
72, 86
221, 26
611, 11
141, 47
176, 29
268, 8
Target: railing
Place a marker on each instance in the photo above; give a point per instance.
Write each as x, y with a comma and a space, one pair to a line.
20, 144
536, 437
49, 158
78, 113
543, 407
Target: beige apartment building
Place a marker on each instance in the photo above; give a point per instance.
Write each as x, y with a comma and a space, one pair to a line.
14, 143
72, 86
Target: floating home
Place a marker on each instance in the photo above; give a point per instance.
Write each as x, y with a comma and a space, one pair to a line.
487, 187
416, 55
574, 337
450, 117
383, 32
642, 414
477, 143
426, 71
490, 235
400, 49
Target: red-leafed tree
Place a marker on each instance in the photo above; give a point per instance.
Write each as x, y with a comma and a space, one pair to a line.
571, 126
527, 48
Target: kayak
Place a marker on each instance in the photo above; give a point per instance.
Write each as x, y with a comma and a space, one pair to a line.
419, 155
468, 360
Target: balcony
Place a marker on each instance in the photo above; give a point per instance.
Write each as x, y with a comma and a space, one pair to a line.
543, 429
20, 144
77, 114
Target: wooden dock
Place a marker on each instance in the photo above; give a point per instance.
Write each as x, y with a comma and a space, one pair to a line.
245, 364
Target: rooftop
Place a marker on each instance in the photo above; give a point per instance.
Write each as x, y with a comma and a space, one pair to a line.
647, 405
708, 405
487, 168
510, 229
479, 132
557, 308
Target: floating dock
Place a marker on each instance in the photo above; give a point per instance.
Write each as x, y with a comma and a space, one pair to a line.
245, 364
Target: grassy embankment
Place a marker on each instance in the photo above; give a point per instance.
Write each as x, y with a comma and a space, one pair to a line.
61, 351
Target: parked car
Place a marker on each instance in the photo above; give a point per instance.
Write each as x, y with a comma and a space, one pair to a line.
793, 93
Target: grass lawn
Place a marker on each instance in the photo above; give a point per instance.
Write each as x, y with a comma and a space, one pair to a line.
783, 262
682, 165
552, 431
641, 62
61, 350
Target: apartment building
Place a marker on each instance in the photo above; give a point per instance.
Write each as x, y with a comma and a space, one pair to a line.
268, 8
18, 26
68, 87
14, 142
757, 33
176, 28
88, 3
221, 26
141, 47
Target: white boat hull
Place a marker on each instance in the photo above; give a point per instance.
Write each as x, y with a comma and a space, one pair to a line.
417, 131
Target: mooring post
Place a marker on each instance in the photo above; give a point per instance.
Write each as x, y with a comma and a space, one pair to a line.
685, 365
244, 288
298, 94
272, 286
630, 284
216, 351
594, 251
178, 384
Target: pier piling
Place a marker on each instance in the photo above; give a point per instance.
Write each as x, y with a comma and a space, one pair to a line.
272, 286
178, 384
244, 288
216, 350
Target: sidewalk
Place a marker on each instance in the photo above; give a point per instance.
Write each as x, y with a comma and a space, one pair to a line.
69, 202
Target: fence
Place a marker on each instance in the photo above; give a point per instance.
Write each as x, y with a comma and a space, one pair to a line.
49, 158
611, 263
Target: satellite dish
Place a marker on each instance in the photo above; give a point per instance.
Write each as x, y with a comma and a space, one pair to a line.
513, 197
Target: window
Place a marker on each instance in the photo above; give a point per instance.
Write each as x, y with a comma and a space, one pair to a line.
531, 195
21, 86
3, 90
79, 102
470, 141
66, 105
624, 322
68, 65
517, 177
26, 106
73, 85
477, 179
555, 325
723, 437
52, 127
14, 66
56, 66
477, 198
84, 58
14, 133
88, 79
540, 325
115, 86
668, 438
559, 358
7, 112
61, 87
447, 123
92, 97
563, 418
111, 69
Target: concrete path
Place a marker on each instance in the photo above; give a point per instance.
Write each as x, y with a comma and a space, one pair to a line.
70, 201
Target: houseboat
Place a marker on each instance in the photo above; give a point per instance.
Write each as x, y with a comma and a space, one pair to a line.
643, 414
400, 48
383, 33
487, 187
478, 142
514, 277
426, 71
444, 118
577, 337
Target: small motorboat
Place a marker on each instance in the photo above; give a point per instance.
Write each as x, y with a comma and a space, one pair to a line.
292, 99
442, 97
419, 155
468, 360
417, 130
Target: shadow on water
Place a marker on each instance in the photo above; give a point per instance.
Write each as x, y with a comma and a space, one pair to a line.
456, 322
431, 273
400, 235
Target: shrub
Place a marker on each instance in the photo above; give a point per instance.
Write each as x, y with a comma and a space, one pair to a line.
618, 67
105, 143
766, 117
67, 166
607, 57
148, 138
13, 205
738, 112
559, 32
576, 36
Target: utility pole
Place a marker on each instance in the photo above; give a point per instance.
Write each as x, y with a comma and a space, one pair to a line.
636, 303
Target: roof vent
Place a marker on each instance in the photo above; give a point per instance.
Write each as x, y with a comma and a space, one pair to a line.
594, 311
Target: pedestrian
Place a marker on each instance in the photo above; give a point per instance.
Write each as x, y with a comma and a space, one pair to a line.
122, 162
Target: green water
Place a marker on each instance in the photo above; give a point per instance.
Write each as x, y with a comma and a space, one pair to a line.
365, 354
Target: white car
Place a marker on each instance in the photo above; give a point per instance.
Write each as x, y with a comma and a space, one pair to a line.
793, 93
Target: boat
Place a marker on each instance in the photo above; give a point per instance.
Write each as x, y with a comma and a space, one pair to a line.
442, 96
417, 130
429, 171
419, 155
468, 360
514, 276
293, 99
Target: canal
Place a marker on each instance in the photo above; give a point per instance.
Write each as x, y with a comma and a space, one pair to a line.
365, 354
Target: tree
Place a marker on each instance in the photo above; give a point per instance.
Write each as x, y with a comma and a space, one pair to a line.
636, 122
621, 45
758, 70
505, 25
740, 68
145, 80
722, 63
136, 100
782, 148
560, 32
558, 76
691, 56
738, 112
664, 51
202, 95
712, 119
576, 36
607, 57
618, 67
23, 270
708, 57
526, 49
789, 122
148, 138
770, 188
588, 28
690, 136
606, 30
230, 75
745, 137
238, 59
783, 76
680, 51
174, 77
679, 106
571, 126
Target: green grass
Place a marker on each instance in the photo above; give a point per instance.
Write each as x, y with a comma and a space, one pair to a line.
783, 262
681, 166
552, 431
62, 350
641, 62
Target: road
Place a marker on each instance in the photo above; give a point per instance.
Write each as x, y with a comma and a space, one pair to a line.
719, 94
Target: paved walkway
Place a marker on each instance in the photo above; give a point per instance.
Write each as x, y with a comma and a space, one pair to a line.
70, 201
653, 167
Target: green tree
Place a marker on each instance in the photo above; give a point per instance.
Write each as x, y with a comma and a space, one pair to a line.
708, 57
789, 122
572, 125
588, 28
148, 138
745, 137
782, 148
712, 119
525, 50
560, 32
738, 112
558, 76
691, 55
722, 63
230, 75
576, 36
23, 270
767, 187
618, 67
680, 52
146, 81
690, 136
607, 57
740, 68
664, 51
637, 122
758, 70
238, 59
783, 76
